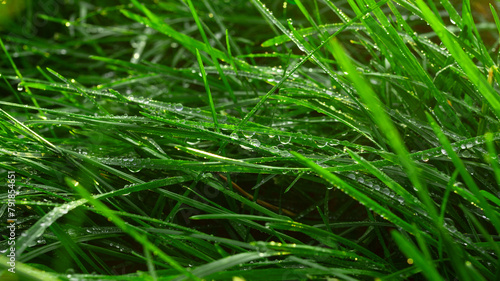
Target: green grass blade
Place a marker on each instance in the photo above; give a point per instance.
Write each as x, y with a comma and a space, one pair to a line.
481, 201
25, 271
474, 75
207, 89
351, 191
127, 228
427, 267
384, 123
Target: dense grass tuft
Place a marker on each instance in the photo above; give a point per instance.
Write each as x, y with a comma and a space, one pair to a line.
262, 140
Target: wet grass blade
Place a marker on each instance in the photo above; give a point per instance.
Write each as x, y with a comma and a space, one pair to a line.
207, 88
413, 254
127, 228
471, 70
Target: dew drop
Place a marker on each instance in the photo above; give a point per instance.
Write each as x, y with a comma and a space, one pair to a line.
321, 143
255, 142
285, 139
285, 153
248, 134
178, 107
466, 154
386, 191
64, 210
193, 142
134, 169
274, 149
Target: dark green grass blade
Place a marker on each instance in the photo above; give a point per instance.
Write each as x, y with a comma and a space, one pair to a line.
207, 88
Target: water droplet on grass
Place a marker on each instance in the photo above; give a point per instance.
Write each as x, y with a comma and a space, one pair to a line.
285, 139
255, 142
248, 134
285, 153
321, 143
178, 107
193, 142
134, 169
466, 154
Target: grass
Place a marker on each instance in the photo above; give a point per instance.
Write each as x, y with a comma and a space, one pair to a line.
251, 140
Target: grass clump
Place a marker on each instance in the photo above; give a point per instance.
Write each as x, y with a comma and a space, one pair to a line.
217, 140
